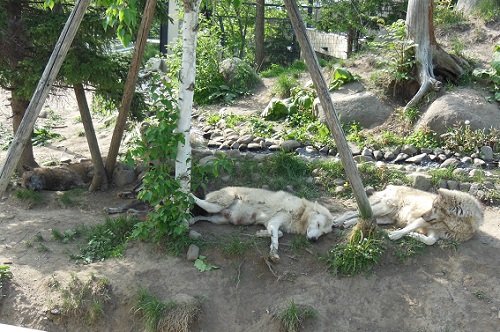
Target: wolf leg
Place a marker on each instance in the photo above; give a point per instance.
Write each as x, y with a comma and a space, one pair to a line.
428, 239
265, 233
417, 223
347, 219
273, 227
215, 219
207, 206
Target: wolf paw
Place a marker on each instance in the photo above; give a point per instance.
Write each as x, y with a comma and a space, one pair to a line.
395, 235
262, 233
274, 257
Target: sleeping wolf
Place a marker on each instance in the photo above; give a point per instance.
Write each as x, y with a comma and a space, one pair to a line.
275, 210
427, 217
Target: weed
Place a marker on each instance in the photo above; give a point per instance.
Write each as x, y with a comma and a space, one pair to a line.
481, 295
43, 136
85, 300
357, 255
488, 10
202, 265
81, 134
261, 128
203, 174
69, 197
68, 235
164, 316
340, 77
6, 137
379, 177
293, 316
299, 243
29, 196
42, 248
439, 174
423, 139
214, 119
408, 247
464, 139
235, 246
38, 237
411, 114
232, 120
284, 84
446, 17
5, 274
107, 240
276, 70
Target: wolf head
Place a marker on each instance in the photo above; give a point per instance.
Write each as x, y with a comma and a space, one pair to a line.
32, 181
319, 222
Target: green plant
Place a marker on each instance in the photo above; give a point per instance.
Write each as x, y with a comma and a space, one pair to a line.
340, 76
423, 139
276, 70
6, 137
86, 300
411, 114
5, 274
379, 177
70, 197
232, 120
293, 316
445, 16
408, 247
447, 173
30, 196
357, 255
235, 246
106, 240
202, 265
203, 174
261, 128
488, 10
156, 148
214, 119
164, 316
43, 136
284, 84
491, 75
299, 243
69, 234
464, 139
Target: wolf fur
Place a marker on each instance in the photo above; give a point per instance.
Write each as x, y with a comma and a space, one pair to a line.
427, 217
277, 211
58, 178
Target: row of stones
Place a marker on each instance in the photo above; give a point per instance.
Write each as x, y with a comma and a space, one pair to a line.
228, 139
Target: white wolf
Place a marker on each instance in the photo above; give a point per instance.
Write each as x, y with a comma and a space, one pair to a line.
275, 210
449, 214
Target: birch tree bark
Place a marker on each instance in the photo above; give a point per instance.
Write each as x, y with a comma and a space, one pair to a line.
259, 33
187, 79
430, 58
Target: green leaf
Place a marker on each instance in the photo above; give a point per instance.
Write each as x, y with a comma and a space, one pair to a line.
204, 266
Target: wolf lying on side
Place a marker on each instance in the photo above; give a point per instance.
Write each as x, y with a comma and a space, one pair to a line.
449, 214
275, 210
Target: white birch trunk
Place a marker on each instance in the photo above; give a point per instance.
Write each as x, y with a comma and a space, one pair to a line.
187, 78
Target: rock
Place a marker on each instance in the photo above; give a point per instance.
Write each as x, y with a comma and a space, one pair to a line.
225, 146
192, 253
253, 147
464, 186
369, 190
474, 188
353, 105
194, 235
155, 64
65, 160
339, 189
274, 147
466, 160
416, 159
339, 182
476, 173
378, 155
401, 157
290, 145
421, 181
324, 150
123, 175
426, 150
452, 185
454, 108
460, 172
355, 150
450, 162
245, 139
231, 70
441, 157
479, 162
389, 156
409, 149
362, 159
243, 147
207, 160
486, 153
235, 146
214, 144
367, 152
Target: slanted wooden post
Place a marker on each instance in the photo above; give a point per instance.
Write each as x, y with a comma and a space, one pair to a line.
327, 104
129, 89
23, 133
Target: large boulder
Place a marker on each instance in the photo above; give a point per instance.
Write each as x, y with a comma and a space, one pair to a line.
354, 104
238, 73
459, 106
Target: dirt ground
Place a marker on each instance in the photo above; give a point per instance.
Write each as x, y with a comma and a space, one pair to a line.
443, 289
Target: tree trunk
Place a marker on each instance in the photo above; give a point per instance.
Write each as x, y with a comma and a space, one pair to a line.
430, 58
19, 106
100, 179
186, 92
129, 89
332, 120
259, 34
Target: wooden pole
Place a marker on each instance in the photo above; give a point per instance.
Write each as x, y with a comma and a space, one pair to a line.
99, 179
331, 116
129, 89
23, 133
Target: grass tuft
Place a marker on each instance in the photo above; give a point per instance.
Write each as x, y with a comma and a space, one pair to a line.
293, 316
29, 196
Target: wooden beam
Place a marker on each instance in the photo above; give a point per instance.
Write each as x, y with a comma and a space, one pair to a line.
327, 104
23, 134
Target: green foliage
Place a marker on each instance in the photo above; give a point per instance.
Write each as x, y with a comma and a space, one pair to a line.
464, 139
445, 16
275, 70
43, 136
408, 247
85, 300
106, 240
340, 77
69, 234
261, 128
29, 196
411, 114
5, 274
299, 243
202, 265
439, 174
423, 139
492, 75
236, 246
284, 84
5, 137
151, 310
357, 255
489, 10
379, 177
293, 316
158, 146
203, 174
276, 110
71, 197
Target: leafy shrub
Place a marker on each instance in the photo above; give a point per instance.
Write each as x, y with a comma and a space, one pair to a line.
445, 16
340, 77
491, 75
357, 255
5, 274
43, 136
423, 139
293, 316
275, 70
284, 84
463, 138
276, 110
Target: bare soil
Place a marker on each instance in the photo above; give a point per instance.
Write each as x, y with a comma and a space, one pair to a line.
442, 289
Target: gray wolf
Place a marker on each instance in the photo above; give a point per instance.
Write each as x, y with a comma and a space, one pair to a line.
58, 178
277, 211
427, 217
